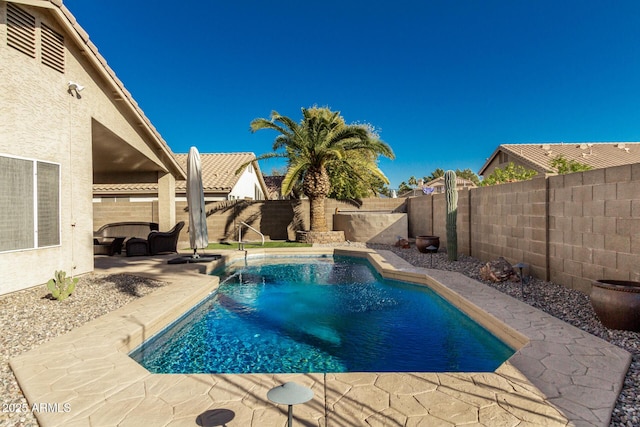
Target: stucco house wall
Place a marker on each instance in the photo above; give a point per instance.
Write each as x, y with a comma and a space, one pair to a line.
42, 120
246, 186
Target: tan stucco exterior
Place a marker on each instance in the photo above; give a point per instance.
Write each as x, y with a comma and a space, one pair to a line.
82, 132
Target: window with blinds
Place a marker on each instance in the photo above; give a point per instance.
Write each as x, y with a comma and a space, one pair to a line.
30, 200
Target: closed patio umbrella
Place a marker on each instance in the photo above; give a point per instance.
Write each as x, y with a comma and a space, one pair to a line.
198, 233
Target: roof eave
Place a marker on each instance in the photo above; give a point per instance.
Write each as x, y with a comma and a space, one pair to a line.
489, 160
81, 39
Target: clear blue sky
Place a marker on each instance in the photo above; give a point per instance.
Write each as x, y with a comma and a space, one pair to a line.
445, 81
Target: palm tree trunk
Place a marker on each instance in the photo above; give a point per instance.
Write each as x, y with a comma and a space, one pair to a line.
318, 220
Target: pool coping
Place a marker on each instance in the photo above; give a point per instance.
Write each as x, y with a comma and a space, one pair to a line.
560, 375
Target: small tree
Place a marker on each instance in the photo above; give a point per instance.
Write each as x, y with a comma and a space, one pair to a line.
510, 173
437, 173
563, 165
403, 188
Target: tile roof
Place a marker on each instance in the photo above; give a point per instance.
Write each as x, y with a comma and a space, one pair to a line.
218, 170
218, 174
437, 185
125, 188
597, 154
460, 182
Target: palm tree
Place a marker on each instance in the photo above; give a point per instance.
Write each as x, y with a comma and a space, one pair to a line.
321, 140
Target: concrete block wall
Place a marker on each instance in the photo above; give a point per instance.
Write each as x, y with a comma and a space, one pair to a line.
276, 219
594, 226
510, 220
570, 229
371, 227
107, 209
440, 218
420, 216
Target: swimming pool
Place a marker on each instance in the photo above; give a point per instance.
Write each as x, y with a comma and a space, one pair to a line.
321, 314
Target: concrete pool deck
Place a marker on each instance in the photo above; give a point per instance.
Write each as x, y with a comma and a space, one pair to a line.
559, 375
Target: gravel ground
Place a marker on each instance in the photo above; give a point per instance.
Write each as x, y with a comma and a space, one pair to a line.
30, 318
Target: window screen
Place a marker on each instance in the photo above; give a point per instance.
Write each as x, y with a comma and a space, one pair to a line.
48, 204
30, 204
16, 199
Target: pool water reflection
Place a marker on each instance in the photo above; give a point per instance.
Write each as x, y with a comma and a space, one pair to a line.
321, 314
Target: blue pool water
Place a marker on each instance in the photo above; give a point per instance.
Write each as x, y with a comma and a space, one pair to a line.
320, 315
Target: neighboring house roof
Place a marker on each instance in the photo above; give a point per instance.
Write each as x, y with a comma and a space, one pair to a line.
437, 186
218, 175
460, 182
80, 37
218, 170
597, 154
274, 185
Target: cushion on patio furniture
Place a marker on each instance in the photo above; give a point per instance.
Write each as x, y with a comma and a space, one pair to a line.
160, 241
137, 247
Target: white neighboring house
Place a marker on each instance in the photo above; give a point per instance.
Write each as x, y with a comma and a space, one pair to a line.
219, 180
66, 123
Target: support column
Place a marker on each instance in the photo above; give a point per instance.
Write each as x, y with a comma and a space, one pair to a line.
166, 201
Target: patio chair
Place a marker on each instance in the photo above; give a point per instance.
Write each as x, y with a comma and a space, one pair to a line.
164, 241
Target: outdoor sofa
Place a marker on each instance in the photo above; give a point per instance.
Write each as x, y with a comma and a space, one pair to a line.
109, 238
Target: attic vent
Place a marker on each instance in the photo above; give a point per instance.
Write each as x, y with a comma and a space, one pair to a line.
52, 49
620, 146
545, 146
21, 30
583, 146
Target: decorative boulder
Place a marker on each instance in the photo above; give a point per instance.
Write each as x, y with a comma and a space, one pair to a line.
498, 270
402, 243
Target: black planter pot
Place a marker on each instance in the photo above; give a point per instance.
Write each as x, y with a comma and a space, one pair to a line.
617, 303
423, 242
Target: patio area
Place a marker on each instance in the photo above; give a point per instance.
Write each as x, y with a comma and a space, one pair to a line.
559, 376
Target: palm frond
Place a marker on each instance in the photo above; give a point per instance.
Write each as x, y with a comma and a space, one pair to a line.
260, 157
294, 174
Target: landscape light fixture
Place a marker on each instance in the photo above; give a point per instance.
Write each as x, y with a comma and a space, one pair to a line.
431, 250
290, 394
520, 266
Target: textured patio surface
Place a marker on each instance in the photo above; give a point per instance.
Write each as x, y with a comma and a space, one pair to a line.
559, 376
